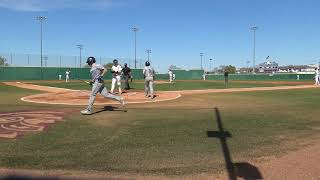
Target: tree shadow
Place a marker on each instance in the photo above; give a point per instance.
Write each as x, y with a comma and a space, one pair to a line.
109, 108
244, 170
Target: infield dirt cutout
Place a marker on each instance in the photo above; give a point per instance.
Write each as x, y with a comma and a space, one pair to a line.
55, 95
16, 124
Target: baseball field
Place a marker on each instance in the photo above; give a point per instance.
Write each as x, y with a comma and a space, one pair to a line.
191, 130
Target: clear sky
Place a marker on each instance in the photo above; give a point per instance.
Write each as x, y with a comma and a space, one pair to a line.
175, 30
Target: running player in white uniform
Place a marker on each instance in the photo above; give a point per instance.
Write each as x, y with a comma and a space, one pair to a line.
116, 71
97, 71
148, 73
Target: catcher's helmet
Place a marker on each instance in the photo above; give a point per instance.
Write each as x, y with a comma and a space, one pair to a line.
115, 61
91, 60
147, 63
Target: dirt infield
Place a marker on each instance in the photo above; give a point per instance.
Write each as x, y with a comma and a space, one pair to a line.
17, 124
81, 97
55, 95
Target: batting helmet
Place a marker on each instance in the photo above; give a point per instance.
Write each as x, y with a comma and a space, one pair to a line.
147, 63
91, 60
115, 61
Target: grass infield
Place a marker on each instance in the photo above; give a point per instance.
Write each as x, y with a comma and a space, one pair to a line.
166, 138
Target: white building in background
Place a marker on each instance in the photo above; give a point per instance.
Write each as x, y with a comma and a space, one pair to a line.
310, 69
268, 67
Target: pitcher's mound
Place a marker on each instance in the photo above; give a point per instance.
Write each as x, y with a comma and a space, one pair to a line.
81, 97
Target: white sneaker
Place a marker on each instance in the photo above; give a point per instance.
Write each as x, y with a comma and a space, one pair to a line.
122, 101
86, 112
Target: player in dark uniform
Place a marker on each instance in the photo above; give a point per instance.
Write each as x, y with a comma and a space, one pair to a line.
127, 75
226, 76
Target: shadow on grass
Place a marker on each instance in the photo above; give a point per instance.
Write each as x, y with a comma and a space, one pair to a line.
244, 170
110, 108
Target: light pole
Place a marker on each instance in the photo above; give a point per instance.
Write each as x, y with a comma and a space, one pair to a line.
254, 28
210, 64
60, 62
80, 46
135, 30
248, 62
148, 51
41, 19
201, 55
45, 58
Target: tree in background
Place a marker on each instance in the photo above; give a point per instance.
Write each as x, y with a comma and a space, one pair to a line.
108, 65
220, 69
3, 61
230, 69
174, 67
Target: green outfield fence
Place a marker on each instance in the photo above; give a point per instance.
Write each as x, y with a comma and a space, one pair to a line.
262, 77
52, 73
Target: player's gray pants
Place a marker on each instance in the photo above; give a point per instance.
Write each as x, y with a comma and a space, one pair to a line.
100, 87
148, 86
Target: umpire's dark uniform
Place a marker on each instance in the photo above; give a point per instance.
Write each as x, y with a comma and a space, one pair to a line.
226, 74
127, 75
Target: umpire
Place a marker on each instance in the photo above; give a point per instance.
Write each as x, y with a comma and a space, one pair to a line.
226, 76
127, 75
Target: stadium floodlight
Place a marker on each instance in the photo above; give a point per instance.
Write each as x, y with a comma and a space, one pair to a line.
210, 64
41, 19
201, 55
248, 62
254, 28
135, 30
148, 51
80, 46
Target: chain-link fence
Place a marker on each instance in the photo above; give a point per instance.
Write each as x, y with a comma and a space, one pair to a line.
35, 60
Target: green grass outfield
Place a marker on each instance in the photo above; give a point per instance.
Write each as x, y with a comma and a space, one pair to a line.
177, 85
166, 138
